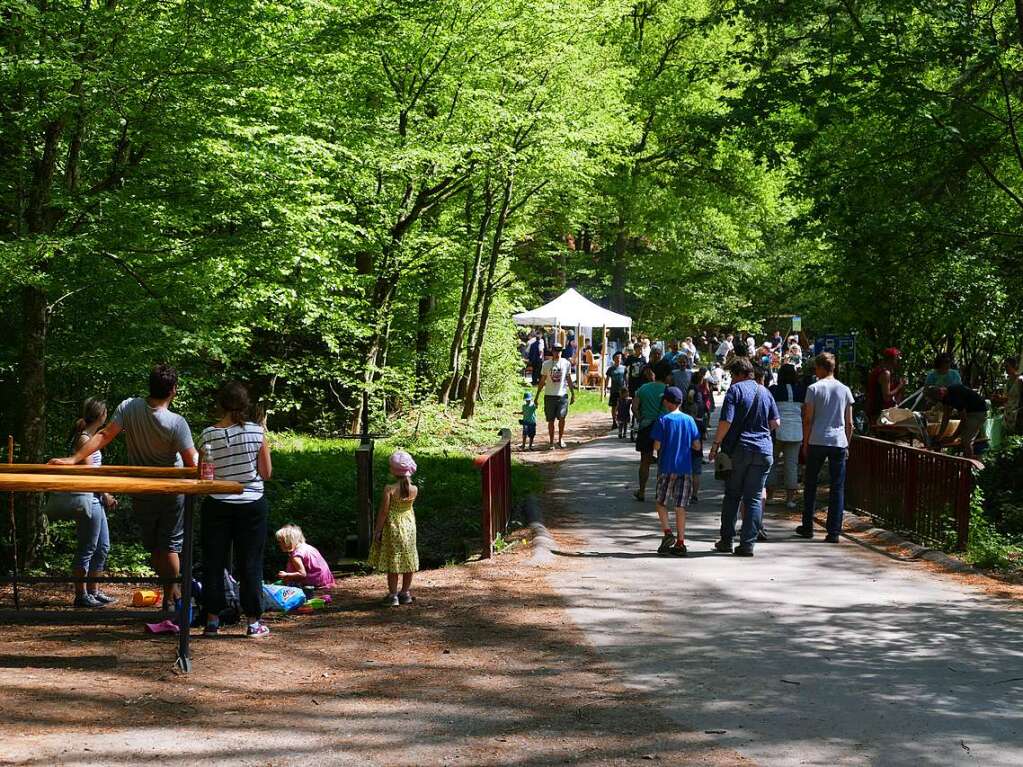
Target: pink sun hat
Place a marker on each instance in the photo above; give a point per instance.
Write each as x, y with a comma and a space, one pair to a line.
402, 464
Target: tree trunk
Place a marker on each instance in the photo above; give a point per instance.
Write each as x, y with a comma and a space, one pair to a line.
619, 269
427, 304
32, 531
470, 279
472, 390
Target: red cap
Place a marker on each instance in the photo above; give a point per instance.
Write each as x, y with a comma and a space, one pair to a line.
891, 353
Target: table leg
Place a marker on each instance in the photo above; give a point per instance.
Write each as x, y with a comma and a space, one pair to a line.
184, 662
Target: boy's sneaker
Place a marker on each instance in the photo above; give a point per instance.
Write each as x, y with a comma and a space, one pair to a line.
99, 596
667, 542
404, 598
678, 550
761, 536
257, 631
743, 551
725, 547
804, 532
831, 538
87, 600
391, 600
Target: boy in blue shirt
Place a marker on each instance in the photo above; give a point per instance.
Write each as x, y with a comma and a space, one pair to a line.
676, 437
528, 420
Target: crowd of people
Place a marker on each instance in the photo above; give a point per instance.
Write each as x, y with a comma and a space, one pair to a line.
783, 407
764, 427
235, 447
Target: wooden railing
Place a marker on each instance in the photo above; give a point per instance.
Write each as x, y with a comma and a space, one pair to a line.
922, 494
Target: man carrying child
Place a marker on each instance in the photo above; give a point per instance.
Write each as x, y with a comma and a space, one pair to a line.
676, 439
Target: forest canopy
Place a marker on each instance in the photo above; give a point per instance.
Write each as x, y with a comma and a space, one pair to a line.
329, 198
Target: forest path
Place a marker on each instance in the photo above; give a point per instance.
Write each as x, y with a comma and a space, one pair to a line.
809, 653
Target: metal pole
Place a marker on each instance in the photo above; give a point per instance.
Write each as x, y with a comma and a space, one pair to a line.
14, 528
184, 662
605, 362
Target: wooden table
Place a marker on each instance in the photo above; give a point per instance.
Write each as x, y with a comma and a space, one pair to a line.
128, 480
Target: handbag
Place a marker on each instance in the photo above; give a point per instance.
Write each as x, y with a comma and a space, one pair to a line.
723, 461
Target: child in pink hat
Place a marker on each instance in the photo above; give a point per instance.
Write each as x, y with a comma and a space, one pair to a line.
394, 536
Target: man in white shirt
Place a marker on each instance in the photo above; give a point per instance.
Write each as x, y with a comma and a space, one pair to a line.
724, 348
557, 384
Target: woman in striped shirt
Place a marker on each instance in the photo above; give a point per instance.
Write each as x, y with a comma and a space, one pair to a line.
238, 450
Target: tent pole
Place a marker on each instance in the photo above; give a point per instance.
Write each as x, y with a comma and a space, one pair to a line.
603, 361
578, 354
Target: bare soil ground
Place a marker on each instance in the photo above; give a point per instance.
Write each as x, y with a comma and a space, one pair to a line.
484, 669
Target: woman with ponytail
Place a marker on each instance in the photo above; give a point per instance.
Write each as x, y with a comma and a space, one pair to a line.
394, 538
89, 510
237, 449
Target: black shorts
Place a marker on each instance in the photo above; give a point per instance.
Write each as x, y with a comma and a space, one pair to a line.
644, 442
613, 400
555, 408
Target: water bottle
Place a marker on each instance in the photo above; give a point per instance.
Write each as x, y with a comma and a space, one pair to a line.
207, 469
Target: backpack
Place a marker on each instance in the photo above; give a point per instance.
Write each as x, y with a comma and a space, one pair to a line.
231, 615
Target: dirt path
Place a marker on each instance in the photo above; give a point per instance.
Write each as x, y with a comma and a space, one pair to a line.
485, 669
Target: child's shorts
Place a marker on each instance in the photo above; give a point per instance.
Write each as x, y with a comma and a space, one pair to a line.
674, 490
529, 430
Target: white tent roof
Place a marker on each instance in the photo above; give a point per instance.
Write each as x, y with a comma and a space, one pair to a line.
570, 309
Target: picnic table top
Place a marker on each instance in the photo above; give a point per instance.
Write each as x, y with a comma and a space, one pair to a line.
108, 470
85, 482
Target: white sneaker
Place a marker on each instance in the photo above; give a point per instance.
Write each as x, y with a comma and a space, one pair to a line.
561, 444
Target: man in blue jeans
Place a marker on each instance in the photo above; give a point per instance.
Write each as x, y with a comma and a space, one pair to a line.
827, 430
748, 416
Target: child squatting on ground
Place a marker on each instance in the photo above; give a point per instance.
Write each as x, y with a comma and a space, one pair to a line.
676, 439
306, 565
528, 420
394, 536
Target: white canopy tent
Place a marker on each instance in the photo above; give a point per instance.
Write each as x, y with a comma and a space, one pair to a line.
573, 310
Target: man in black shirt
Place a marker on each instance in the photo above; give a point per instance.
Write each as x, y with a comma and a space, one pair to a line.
635, 364
971, 409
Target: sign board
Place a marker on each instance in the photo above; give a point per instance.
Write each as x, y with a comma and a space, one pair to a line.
842, 346
797, 324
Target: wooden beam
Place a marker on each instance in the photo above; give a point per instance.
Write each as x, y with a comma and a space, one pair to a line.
63, 483
81, 469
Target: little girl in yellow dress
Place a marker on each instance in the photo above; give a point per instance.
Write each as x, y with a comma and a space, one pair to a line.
394, 536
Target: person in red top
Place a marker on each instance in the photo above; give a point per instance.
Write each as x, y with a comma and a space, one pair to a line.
883, 385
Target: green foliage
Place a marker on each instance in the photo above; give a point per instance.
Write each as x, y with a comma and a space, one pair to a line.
332, 199
314, 480
988, 547
1002, 485
127, 556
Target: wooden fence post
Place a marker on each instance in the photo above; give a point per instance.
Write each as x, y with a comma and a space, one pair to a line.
364, 495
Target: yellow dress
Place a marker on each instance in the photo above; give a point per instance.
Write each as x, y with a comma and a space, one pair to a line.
396, 551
